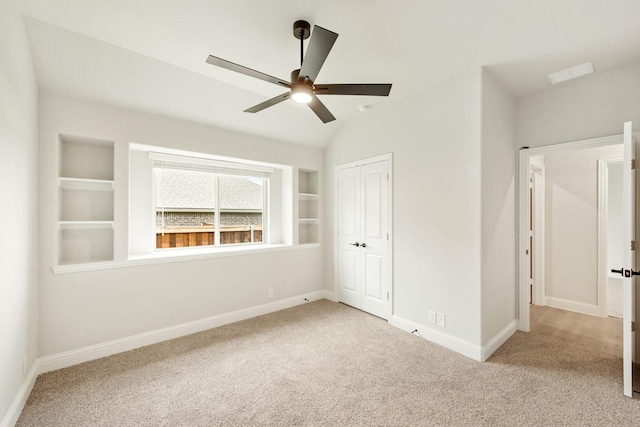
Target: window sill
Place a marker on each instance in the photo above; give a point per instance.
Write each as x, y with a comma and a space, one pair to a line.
180, 255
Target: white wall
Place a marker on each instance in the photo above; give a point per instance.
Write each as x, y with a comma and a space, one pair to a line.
571, 224
86, 308
435, 141
589, 107
498, 208
18, 193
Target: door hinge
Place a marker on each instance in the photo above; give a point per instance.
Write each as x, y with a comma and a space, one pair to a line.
387, 295
633, 326
633, 163
633, 245
387, 177
387, 236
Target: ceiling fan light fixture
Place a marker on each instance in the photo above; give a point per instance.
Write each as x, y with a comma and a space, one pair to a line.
302, 94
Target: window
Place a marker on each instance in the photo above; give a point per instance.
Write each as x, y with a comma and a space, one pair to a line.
204, 202
204, 193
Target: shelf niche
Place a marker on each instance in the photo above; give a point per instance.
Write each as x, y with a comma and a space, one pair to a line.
85, 200
308, 207
85, 245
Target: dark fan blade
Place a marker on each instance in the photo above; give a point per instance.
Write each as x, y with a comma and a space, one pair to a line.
273, 101
319, 47
354, 89
219, 62
321, 111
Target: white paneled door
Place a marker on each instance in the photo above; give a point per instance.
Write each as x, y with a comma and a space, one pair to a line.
628, 271
628, 281
363, 237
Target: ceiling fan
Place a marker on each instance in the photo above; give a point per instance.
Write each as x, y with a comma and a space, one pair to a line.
302, 87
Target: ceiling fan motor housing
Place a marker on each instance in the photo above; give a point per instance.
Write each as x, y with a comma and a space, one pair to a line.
295, 78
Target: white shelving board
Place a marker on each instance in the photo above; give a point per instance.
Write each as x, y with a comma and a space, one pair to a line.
85, 225
84, 184
308, 220
308, 196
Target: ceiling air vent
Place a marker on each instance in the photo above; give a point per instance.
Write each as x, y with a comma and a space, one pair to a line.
571, 73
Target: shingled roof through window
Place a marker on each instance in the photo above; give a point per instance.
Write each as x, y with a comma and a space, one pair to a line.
184, 189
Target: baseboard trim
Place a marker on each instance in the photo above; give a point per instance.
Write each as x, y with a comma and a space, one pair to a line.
500, 338
578, 307
11, 417
445, 340
97, 351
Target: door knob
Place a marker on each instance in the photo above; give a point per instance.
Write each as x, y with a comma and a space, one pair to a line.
626, 273
358, 244
629, 273
364, 245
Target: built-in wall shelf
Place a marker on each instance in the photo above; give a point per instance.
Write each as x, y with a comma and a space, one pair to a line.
85, 225
85, 200
308, 221
84, 184
308, 207
308, 196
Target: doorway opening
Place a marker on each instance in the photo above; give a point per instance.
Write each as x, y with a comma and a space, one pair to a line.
563, 245
610, 234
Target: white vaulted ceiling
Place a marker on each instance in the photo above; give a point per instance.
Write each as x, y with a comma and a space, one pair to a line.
150, 55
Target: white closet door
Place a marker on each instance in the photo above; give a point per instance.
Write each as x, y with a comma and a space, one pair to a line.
374, 234
348, 235
363, 237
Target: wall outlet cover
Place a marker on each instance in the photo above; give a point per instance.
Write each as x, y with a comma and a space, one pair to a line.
441, 319
432, 316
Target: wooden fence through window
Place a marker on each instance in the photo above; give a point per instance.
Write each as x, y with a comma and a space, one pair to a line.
182, 237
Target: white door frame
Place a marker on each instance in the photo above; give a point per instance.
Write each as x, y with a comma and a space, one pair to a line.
525, 155
603, 231
389, 158
539, 214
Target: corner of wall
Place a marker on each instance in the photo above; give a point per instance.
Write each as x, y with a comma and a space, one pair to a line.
18, 164
498, 182
20, 400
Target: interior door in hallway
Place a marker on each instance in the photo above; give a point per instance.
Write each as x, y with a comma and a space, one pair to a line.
363, 237
628, 280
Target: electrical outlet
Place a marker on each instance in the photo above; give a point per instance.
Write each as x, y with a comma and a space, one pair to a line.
441, 319
270, 293
432, 316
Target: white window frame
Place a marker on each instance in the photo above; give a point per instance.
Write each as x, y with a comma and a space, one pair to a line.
217, 167
277, 214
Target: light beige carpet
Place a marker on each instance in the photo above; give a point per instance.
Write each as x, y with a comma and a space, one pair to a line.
327, 364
